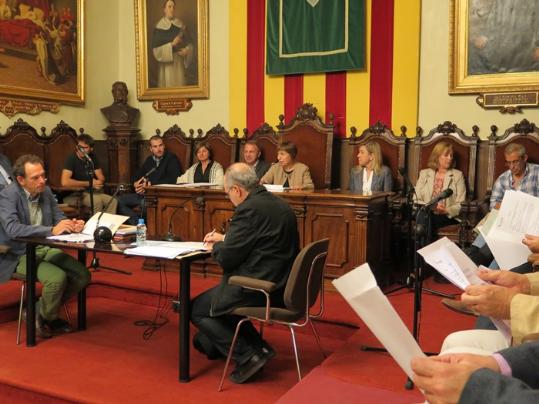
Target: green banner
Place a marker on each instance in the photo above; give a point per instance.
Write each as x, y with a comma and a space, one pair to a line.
311, 36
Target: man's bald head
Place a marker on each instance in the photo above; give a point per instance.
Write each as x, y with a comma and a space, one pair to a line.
242, 175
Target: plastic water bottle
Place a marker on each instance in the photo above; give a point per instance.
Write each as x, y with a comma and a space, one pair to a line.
141, 232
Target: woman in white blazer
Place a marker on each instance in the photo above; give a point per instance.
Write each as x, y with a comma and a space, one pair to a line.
438, 177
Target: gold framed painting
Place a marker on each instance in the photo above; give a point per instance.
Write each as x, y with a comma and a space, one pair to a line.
42, 50
172, 49
493, 46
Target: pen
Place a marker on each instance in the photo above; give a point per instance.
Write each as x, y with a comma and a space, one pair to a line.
209, 235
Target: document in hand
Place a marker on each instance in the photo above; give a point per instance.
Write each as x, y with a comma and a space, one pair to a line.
448, 259
113, 222
518, 215
359, 289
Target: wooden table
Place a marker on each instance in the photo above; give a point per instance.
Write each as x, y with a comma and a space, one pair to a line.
358, 226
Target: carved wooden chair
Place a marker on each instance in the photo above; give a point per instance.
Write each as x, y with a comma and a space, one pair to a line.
21, 138
465, 156
225, 146
266, 138
314, 140
524, 133
177, 142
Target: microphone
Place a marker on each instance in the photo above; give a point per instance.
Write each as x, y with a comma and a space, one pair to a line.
446, 193
199, 200
102, 234
150, 172
83, 151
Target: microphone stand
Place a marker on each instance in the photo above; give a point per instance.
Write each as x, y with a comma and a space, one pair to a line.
170, 236
95, 261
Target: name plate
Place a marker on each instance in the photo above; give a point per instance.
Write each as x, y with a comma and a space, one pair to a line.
508, 102
172, 106
12, 106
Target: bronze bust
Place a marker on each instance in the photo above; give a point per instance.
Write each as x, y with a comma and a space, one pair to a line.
119, 112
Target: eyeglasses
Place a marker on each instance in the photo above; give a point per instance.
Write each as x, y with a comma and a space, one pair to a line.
513, 162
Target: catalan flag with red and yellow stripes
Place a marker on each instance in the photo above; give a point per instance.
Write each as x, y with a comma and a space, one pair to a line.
386, 90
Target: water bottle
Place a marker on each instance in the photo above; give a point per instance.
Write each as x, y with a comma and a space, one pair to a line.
141, 232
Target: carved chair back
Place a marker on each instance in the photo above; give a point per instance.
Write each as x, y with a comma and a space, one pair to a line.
176, 142
464, 151
524, 133
314, 140
393, 149
224, 146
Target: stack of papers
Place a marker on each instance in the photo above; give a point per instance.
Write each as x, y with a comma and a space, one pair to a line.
165, 249
190, 185
275, 188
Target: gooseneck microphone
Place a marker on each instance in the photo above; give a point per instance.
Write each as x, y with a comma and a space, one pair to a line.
86, 155
150, 172
102, 234
442, 195
199, 200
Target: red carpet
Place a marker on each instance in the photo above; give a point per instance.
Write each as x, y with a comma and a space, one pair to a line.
110, 362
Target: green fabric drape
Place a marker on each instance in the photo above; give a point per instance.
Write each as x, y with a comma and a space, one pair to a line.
308, 36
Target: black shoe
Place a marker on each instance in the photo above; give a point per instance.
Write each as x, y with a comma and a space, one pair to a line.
244, 372
60, 326
42, 328
203, 345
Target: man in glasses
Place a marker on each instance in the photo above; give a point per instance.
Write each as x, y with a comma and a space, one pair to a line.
28, 209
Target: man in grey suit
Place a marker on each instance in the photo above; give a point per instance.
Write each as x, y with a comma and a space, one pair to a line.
6, 174
509, 376
252, 156
28, 209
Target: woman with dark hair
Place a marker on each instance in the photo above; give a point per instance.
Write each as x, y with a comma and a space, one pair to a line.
205, 170
287, 171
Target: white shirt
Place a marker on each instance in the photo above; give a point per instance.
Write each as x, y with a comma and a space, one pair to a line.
367, 181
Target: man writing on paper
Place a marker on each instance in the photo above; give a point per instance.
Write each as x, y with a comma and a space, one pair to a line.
262, 242
161, 167
28, 209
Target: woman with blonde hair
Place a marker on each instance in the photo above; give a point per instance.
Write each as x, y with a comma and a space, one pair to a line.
370, 174
205, 169
439, 176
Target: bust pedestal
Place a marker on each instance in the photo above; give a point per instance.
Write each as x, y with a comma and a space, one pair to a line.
122, 152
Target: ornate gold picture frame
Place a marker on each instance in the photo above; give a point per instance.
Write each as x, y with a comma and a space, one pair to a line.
172, 49
493, 46
42, 50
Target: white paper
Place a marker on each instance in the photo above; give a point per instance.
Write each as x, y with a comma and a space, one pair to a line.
275, 188
165, 249
73, 237
448, 259
518, 215
192, 185
359, 289
113, 222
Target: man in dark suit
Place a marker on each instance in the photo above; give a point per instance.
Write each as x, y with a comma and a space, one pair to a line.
261, 242
6, 175
508, 376
28, 209
161, 167
252, 156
